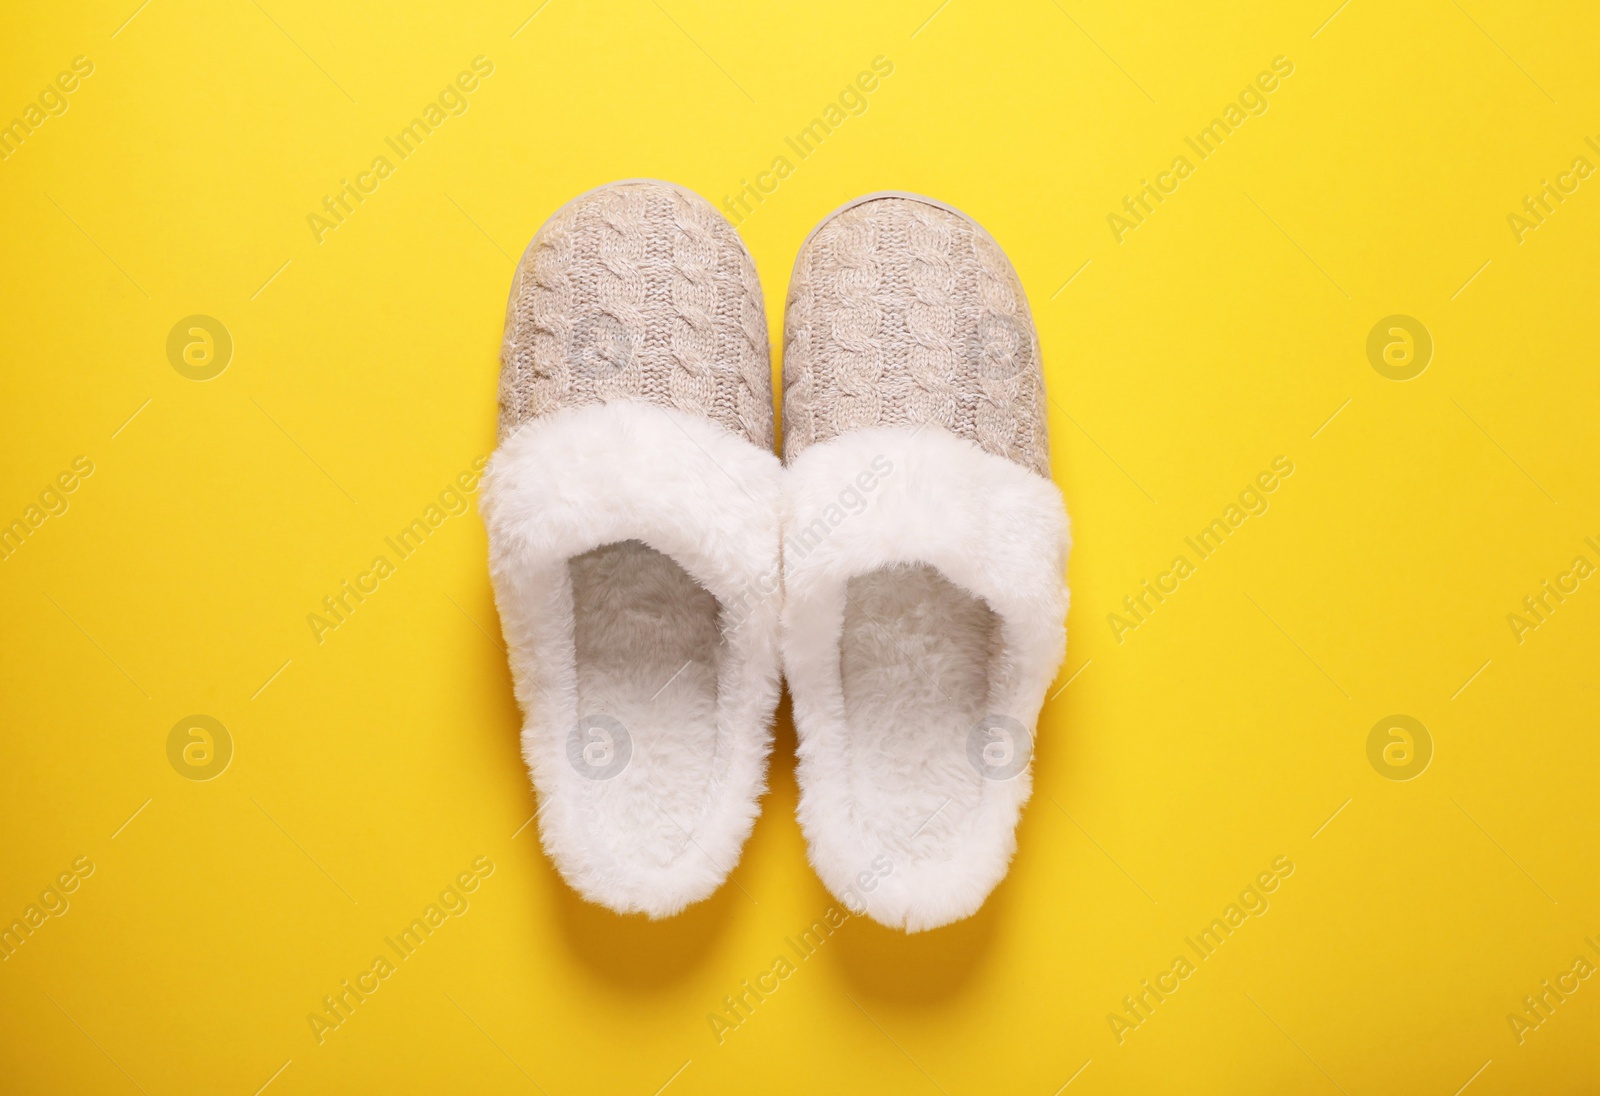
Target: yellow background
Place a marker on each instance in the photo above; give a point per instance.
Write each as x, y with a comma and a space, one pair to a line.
1222, 733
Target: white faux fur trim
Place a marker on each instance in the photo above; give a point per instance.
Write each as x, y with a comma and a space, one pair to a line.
665, 831
900, 824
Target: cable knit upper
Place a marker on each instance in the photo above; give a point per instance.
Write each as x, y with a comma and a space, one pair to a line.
901, 312
641, 291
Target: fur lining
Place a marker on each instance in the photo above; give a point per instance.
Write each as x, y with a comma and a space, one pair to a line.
925, 604
690, 513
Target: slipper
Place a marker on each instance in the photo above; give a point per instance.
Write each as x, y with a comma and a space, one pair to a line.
924, 556
632, 507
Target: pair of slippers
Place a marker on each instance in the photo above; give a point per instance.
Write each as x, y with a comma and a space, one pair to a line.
656, 567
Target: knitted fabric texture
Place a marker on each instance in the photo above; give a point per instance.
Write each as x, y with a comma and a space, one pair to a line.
638, 291
902, 313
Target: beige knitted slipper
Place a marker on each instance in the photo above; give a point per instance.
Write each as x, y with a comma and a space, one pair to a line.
924, 556
632, 508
